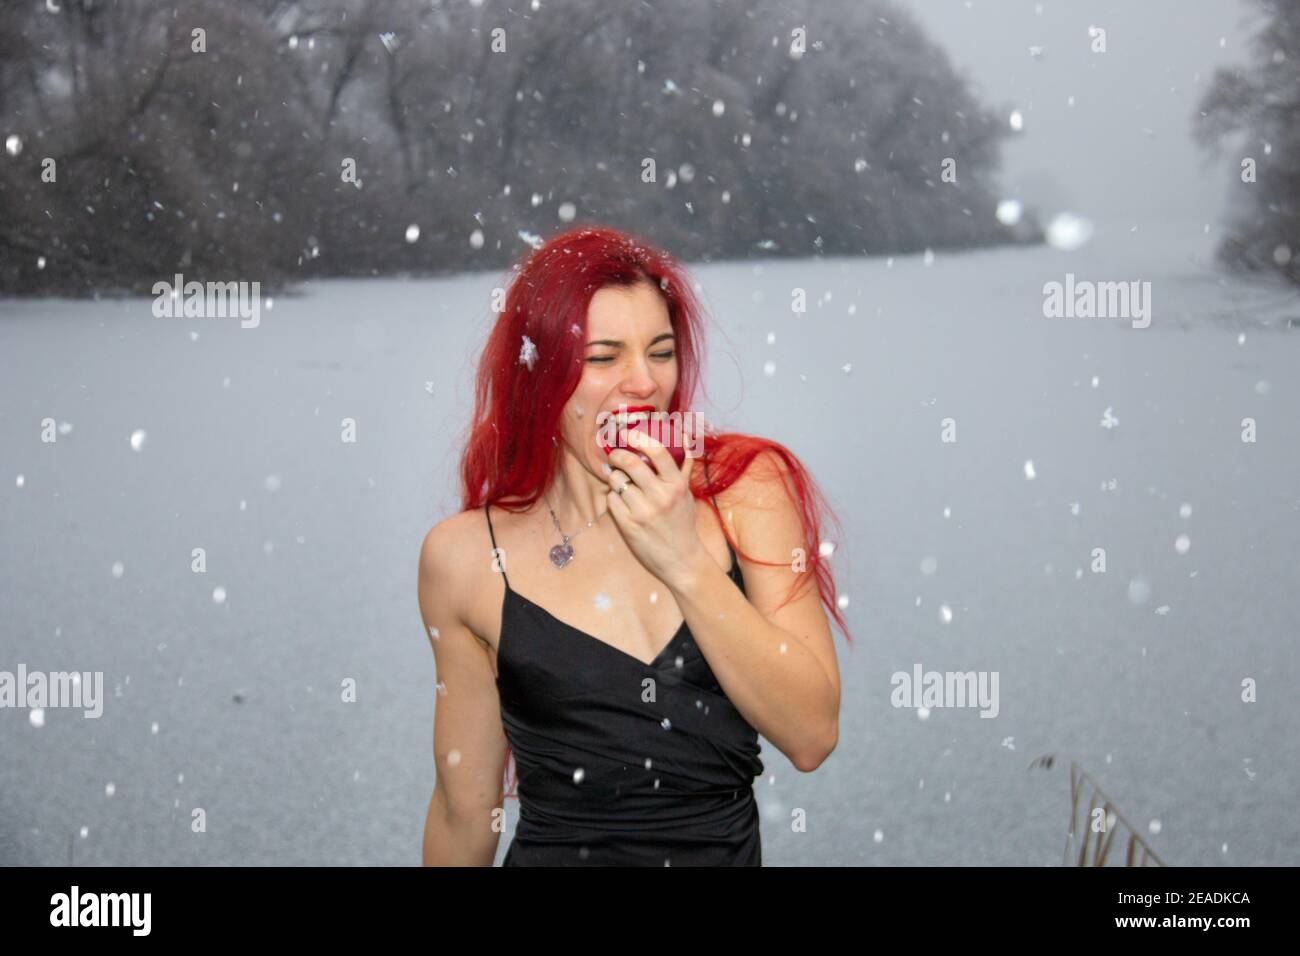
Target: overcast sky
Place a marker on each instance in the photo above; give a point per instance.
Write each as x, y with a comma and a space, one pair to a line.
1123, 151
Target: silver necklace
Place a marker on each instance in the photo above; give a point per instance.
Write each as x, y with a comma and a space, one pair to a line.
562, 554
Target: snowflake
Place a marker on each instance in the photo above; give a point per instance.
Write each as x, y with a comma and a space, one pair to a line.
528, 353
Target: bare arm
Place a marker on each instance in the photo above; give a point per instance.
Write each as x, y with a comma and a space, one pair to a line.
465, 814
776, 664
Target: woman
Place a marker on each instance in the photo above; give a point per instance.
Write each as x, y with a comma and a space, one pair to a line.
624, 632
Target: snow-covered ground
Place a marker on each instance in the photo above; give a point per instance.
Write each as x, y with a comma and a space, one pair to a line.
1136, 673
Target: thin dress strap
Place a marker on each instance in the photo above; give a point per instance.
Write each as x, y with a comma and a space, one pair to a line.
705, 463
487, 510
735, 564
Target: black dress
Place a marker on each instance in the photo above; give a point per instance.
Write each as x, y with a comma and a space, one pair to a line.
618, 762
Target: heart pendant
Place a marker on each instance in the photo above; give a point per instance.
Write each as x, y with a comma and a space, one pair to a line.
561, 555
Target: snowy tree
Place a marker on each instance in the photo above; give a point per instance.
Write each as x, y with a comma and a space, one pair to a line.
280, 140
1258, 107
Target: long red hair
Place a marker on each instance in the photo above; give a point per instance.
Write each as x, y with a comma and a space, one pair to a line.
534, 360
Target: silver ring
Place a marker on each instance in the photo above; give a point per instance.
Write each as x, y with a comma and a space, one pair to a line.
621, 489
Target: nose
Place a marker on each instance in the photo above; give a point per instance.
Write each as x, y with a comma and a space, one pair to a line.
639, 383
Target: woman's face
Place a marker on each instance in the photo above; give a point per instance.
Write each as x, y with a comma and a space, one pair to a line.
631, 359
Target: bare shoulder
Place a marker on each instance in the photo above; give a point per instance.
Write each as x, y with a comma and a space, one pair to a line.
763, 490
442, 553
467, 527
447, 538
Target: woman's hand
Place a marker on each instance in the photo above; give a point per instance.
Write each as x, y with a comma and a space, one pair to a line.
655, 513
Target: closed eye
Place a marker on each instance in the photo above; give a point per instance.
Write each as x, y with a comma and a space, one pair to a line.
609, 358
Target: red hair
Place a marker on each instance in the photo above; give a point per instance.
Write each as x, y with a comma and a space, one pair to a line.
534, 361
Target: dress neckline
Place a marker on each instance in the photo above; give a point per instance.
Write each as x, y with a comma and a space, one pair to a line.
565, 625
650, 664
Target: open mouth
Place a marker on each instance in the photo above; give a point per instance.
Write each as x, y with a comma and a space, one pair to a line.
633, 418
613, 425
657, 424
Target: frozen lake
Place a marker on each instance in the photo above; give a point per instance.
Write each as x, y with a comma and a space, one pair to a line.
1136, 673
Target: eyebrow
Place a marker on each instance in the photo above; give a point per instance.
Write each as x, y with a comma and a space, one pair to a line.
618, 344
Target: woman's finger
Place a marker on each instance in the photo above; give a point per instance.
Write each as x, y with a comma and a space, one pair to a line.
663, 461
636, 469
